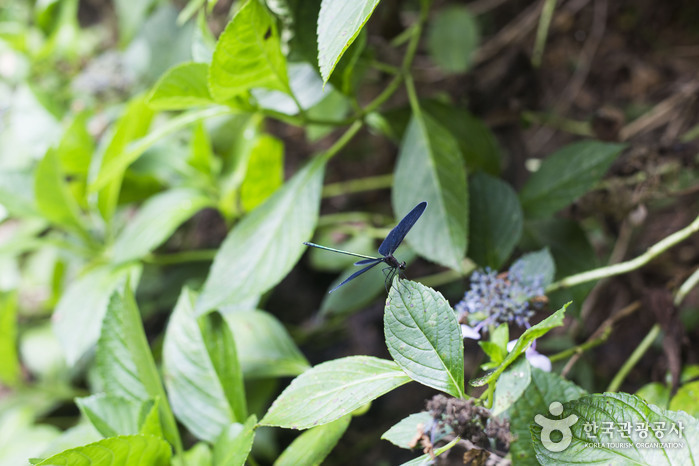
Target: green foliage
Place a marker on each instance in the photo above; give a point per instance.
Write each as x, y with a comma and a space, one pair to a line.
194, 166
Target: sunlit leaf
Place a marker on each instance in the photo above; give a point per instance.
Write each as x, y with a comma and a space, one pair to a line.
183, 86
311, 447
265, 172
114, 451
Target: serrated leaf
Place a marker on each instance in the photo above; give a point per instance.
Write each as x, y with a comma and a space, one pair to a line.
658, 446
452, 38
511, 385
157, 219
77, 319
430, 168
194, 388
53, 198
114, 451
265, 171
333, 389
182, 86
424, 337
233, 445
266, 244
125, 364
545, 387
404, 432
496, 220
339, 23
523, 342
264, 346
113, 415
566, 175
248, 55
311, 447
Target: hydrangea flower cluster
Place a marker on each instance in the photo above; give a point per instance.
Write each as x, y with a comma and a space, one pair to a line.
503, 298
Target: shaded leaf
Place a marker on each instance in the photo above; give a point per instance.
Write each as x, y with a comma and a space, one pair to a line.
404, 432
424, 338
333, 389
430, 168
112, 415
311, 447
233, 445
53, 198
511, 385
452, 38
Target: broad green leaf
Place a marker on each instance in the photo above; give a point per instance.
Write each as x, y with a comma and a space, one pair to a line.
333, 389
511, 385
199, 455
133, 124
125, 365
536, 266
115, 451
265, 171
545, 387
452, 38
113, 415
9, 362
655, 393
248, 55
495, 222
523, 342
194, 388
496, 348
311, 447
686, 399
266, 244
77, 319
265, 348
233, 445
182, 86
648, 436
566, 175
339, 23
53, 198
306, 87
75, 154
403, 433
423, 336
155, 222
428, 459
221, 347
202, 155
430, 168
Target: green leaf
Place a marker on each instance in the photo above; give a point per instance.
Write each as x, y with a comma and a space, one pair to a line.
9, 362
233, 445
511, 385
113, 415
311, 447
265, 171
125, 364
496, 220
339, 23
523, 342
156, 221
333, 389
78, 316
424, 337
566, 175
452, 38
202, 155
544, 388
114, 451
403, 433
248, 55
266, 244
198, 399
536, 266
183, 86
655, 393
686, 399
658, 446
53, 198
430, 168
306, 87
428, 459
264, 346
221, 347
17, 193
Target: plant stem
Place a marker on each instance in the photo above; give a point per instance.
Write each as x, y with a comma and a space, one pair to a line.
369, 183
447, 276
542, 32
581, 348
633, 264
634, 358
342, 142
686, 287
